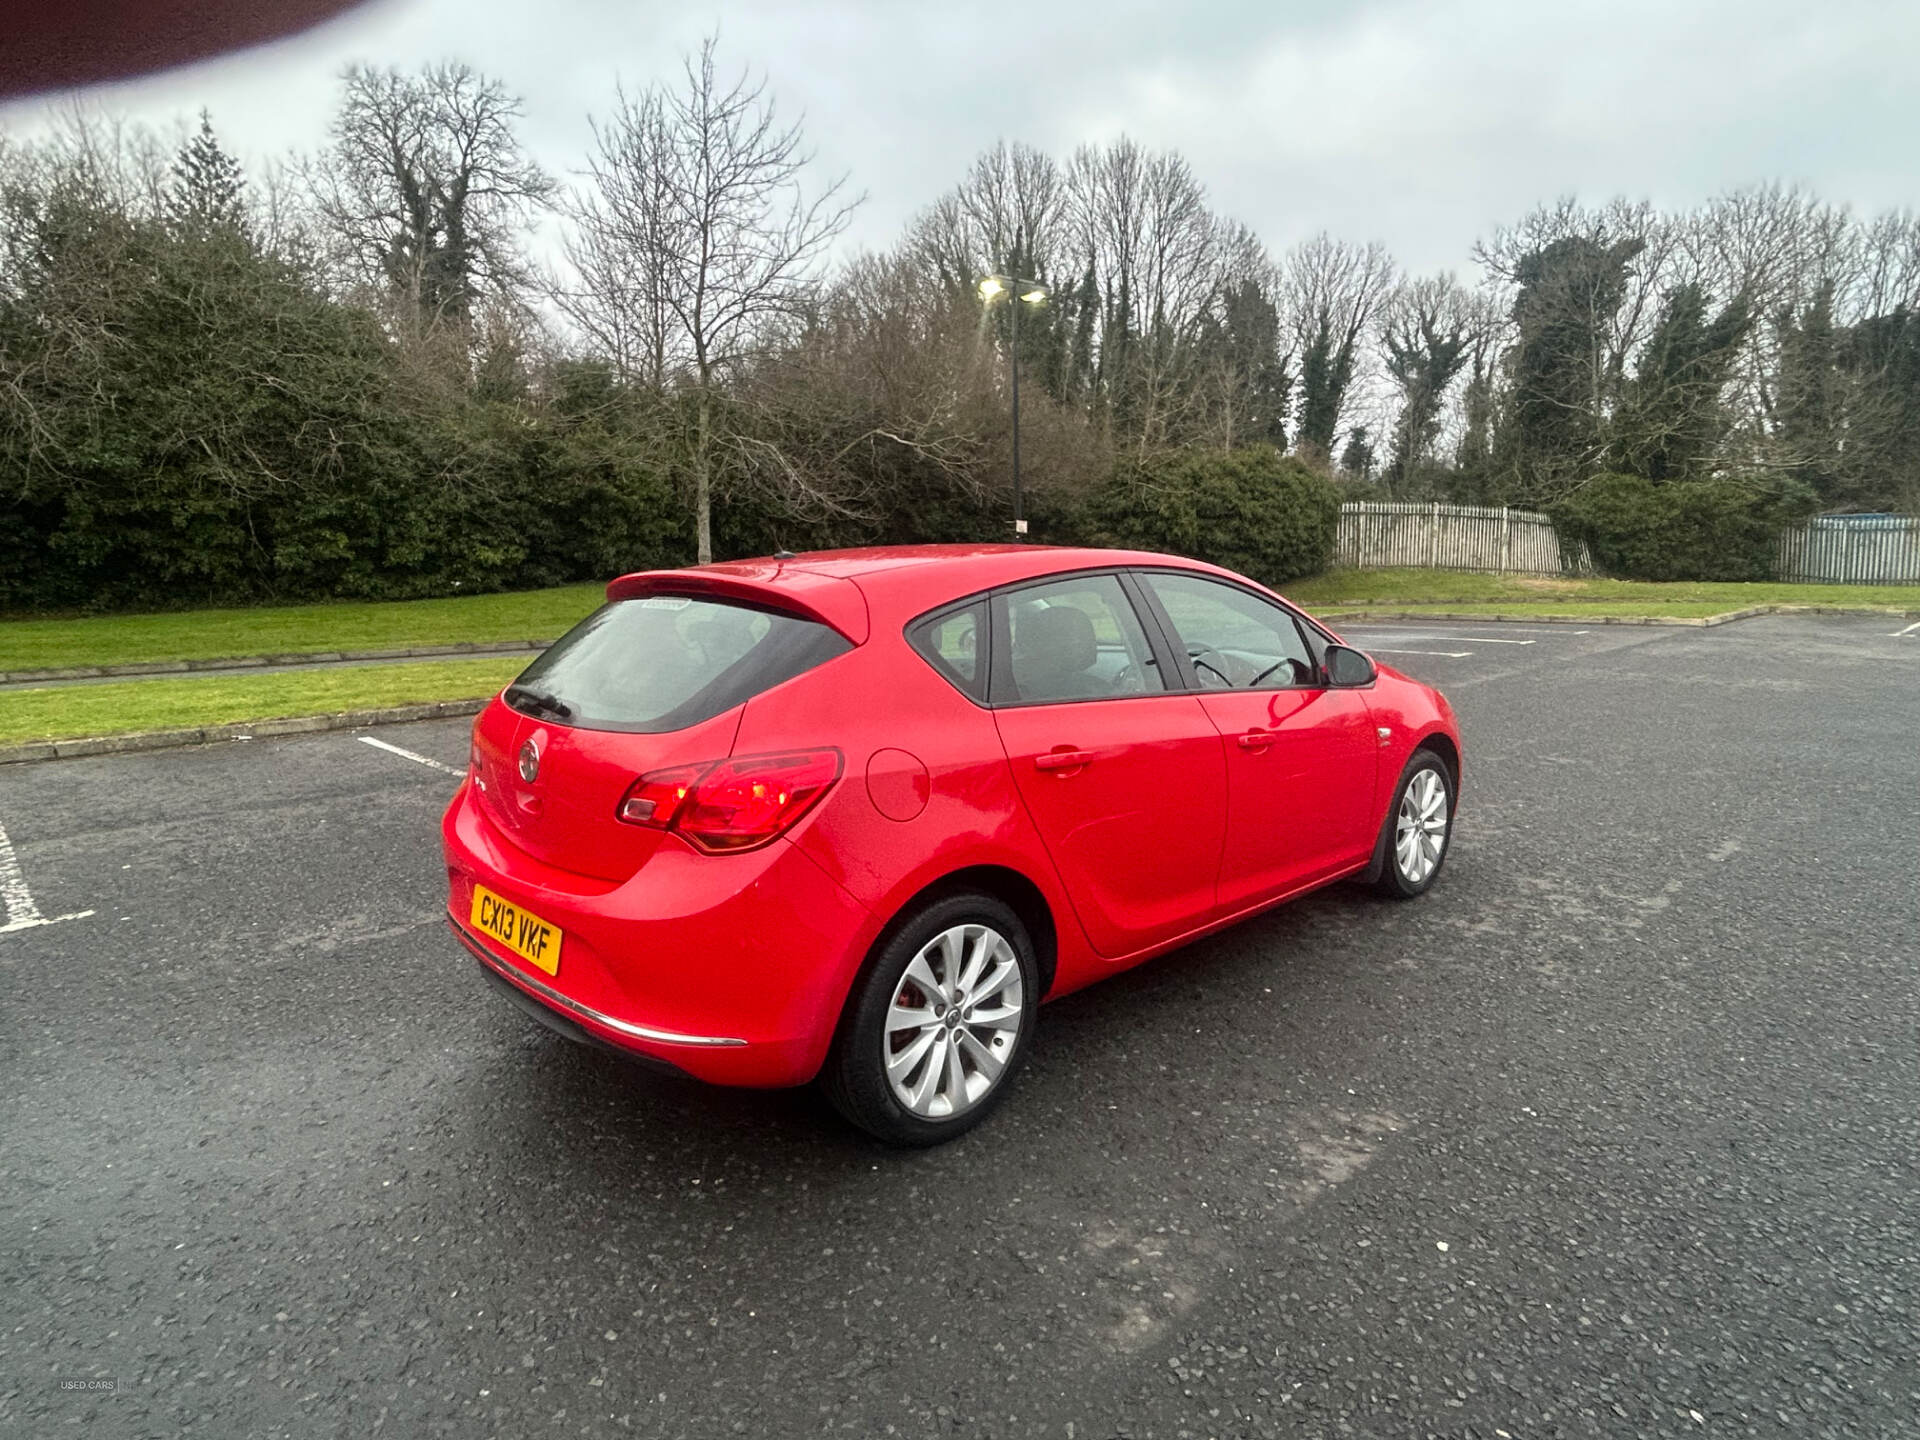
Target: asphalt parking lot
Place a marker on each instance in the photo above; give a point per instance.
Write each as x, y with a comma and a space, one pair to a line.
1617, 1132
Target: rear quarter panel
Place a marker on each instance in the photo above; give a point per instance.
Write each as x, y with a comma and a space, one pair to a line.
891, 715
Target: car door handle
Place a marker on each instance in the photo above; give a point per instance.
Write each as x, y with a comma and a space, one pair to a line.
1255, 739
1063, 760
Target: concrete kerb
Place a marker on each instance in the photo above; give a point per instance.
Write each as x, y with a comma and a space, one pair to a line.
253, 730
247, 662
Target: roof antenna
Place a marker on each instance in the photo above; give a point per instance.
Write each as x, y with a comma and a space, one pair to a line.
785, 555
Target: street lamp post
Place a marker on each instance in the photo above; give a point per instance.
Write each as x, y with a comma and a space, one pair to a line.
1027, 292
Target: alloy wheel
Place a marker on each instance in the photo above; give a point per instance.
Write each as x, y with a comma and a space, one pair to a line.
1420, 832
953, 1022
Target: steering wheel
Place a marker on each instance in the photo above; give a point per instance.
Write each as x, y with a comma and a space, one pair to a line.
1130, 678
1287, 660
1195, 652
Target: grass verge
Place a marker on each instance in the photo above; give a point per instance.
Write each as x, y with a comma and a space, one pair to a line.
545, 614
73, 712
1473, 592
293, 629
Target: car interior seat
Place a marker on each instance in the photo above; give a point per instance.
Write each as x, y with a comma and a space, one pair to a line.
1054, 652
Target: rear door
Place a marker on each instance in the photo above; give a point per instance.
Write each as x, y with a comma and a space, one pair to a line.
1124, 781
1299, 756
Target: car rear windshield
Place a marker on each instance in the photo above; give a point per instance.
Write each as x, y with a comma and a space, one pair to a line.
665, 662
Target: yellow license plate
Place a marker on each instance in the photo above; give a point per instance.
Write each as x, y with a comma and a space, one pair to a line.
521, 931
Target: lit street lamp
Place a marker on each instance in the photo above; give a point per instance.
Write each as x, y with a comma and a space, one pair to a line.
1028, 292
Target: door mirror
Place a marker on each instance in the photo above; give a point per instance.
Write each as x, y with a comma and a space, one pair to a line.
1347, 666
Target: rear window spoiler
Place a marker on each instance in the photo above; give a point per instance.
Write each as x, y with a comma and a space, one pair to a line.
828, 599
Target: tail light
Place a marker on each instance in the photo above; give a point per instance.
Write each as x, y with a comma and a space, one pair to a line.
728, 805
655, 798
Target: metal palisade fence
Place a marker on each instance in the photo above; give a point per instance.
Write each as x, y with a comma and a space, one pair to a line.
1455, 537
1852, 550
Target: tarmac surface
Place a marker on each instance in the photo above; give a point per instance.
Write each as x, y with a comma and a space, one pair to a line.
1615, 1132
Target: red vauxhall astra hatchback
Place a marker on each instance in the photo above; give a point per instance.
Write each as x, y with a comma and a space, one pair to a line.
854, 815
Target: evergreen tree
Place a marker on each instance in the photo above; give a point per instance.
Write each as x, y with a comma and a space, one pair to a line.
1042, 351
1426, 343
1473, 479
1239, 376
1808, 401
1846, 405
1882, 470
1259, 369
1086, 323
1326, 369
1357, 458
1670, 420
1117, 337
206, 191
1553, 432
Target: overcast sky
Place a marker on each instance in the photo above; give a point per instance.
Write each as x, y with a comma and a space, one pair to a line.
1423, 123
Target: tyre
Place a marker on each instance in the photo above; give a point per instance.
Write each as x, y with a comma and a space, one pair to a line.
1418, 828
937, 1023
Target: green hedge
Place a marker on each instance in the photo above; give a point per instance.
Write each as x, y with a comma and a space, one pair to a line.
1256, 511
226, 434
1638, 529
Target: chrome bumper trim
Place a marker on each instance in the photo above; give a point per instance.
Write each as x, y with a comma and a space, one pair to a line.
570, 1006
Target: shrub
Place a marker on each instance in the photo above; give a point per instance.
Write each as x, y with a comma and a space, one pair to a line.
1255, 511
1719, 529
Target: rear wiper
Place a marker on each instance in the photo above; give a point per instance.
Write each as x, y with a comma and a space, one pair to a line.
539, 701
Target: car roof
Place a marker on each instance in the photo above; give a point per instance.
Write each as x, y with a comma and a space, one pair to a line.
893, 582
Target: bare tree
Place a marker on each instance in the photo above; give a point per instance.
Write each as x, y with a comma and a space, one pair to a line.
1014, 197
1155, 326
94, 155
1162, 260
71, 203
698, 243
425, 191
614, 291
1334, 291
1472, 414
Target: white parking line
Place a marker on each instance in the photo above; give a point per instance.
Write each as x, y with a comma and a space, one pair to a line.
1450, 654
21, 912
1413, 634
426, 760
1908, 631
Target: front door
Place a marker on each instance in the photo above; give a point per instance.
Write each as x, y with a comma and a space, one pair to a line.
1125, 782
1300, 756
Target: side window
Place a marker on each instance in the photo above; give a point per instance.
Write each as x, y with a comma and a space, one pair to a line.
955, 645
1234, 640
1073, 639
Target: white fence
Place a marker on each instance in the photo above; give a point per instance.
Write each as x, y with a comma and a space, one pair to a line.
1454, 537
1852, 550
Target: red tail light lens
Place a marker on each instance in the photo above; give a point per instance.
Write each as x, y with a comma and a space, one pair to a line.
746, 802
734, 804
656, 798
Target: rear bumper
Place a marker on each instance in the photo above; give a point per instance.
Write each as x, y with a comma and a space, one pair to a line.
563, 1014
731, 969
